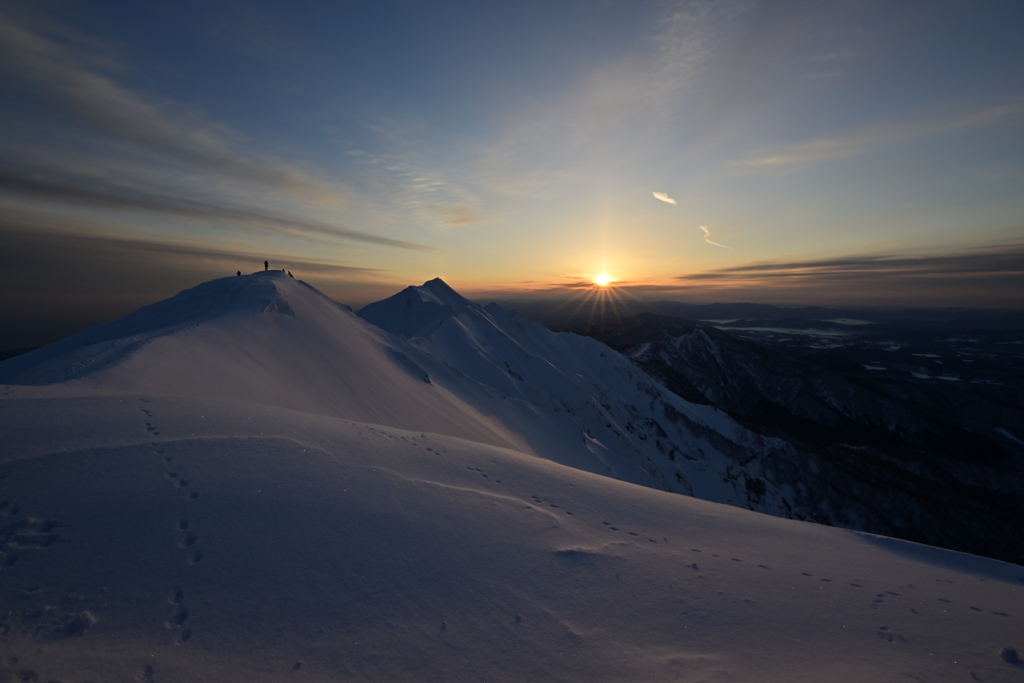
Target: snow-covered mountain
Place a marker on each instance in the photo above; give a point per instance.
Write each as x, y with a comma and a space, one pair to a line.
262, 338
577, 402
430, 360
247, 482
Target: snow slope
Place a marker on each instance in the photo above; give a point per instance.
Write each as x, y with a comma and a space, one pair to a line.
577, 402
264, 338
214, 540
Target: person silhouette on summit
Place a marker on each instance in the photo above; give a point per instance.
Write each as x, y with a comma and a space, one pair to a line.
266, 265
239, 273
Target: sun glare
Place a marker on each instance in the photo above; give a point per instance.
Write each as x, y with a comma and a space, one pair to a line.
603, 280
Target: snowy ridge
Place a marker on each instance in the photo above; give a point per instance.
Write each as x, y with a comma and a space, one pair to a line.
267, 339
158, 538
578, 402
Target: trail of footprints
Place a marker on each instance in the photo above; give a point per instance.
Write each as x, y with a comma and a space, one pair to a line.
22, 533
879, 599
187, 539
884, 633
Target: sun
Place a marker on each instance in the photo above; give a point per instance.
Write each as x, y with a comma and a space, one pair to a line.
603, 280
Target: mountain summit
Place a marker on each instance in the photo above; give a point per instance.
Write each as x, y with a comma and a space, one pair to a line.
416, 311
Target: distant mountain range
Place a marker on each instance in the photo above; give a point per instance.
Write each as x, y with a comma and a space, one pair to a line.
891, 438
563, 315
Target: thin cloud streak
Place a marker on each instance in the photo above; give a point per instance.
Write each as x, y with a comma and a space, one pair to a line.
707, 238
873, 137
96, 101
980, 262
29, 247
992, 277
113, 197
664, 197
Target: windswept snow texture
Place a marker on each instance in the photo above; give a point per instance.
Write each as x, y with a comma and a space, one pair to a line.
247, 482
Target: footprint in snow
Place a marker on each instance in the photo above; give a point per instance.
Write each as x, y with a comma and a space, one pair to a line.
889, 636
178, 618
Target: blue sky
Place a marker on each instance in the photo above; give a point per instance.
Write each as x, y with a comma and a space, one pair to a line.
825, 152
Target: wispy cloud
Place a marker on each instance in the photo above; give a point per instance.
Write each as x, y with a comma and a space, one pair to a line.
664, 197
634, 96
396, 171
707, 238
95, 100
983, 261
118, 197
689, 33
432, 197
988, 276
102, 144
872, 137
28, 248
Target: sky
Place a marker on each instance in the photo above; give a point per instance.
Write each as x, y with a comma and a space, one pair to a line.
787, 152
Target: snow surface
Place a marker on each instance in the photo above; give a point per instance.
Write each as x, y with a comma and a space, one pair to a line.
245, 497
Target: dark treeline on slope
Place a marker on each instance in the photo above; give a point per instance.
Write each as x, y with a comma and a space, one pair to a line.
917, 416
